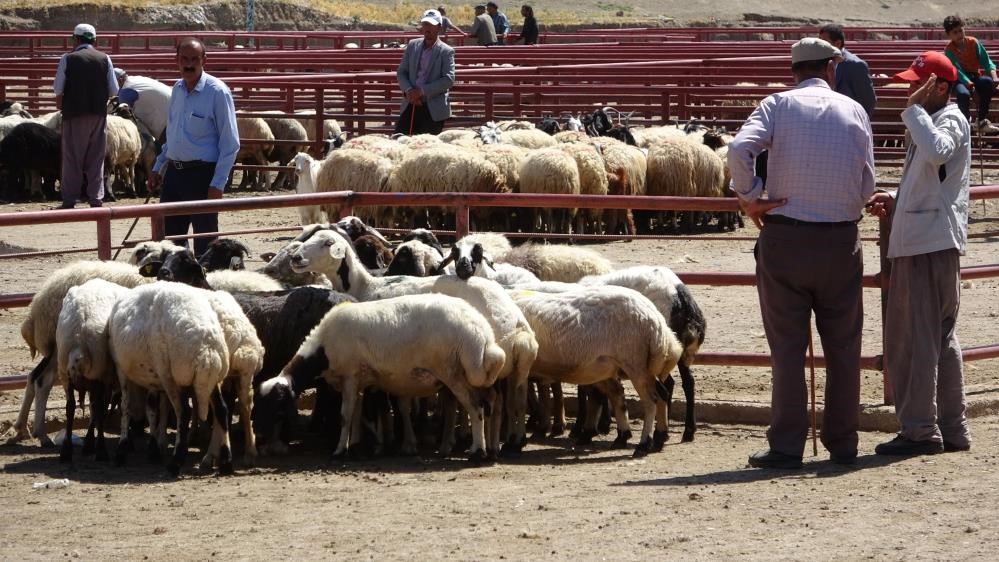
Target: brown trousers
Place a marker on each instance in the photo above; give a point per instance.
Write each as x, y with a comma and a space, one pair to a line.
84, 142
922, 354
801, 270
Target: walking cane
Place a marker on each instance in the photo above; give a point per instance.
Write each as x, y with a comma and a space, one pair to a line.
412, 116
130, 229
811, 367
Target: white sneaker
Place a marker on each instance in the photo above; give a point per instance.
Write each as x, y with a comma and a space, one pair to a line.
986, 128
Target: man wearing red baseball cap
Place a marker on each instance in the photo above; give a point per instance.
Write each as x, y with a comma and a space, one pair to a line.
929, 214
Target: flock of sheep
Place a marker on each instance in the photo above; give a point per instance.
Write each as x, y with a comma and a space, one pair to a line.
519, 157
473, 341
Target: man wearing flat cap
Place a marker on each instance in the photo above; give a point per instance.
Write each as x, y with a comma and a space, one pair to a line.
929, 232
483, 28
83, 83
425, 75
808, 258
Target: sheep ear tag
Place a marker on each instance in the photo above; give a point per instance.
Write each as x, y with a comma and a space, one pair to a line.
150, 269
338, 251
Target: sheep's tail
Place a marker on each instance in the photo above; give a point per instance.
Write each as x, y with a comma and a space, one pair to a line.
483, 371
665, 353
28, 334
78, 363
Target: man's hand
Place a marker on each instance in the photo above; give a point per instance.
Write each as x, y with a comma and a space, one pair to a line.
153, 182
919, 96
214, 193
415, 96
880, 205
756, 209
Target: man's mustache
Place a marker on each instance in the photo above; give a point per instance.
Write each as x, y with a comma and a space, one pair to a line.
189, 69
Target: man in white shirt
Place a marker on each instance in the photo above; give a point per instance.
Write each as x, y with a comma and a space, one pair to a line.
148, 98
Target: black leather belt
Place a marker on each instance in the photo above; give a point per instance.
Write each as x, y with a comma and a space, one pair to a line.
788, 221
182, 165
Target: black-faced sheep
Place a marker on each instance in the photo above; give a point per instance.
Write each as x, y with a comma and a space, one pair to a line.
29, 154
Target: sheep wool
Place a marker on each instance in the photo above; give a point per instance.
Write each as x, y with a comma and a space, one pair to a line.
528, 138
555, 262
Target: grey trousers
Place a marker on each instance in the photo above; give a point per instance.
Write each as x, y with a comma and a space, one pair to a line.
801, 270
922, 354
84, 143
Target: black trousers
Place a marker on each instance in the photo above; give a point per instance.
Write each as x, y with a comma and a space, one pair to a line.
189, 184
421, 122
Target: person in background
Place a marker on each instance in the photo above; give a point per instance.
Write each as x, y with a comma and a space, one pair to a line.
446, 24
148, 98
929, 232
84, 81
201, 147
853, 77
529, 35
482, 28
425, 74
500, 23
975, 71
808, 256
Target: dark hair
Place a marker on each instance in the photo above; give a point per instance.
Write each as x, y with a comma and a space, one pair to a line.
834, 31
528, 9
950, 22
191, 41
87, 40
492, 5
810, 67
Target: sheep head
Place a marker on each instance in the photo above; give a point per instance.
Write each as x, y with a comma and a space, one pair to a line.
180, 267
224, 253
321, 252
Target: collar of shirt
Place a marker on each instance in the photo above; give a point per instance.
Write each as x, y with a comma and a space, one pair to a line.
83, 46
818, 82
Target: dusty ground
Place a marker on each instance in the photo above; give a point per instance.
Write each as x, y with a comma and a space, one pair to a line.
696, 501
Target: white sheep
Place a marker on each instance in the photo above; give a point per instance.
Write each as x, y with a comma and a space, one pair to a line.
328, 252
675, 302
331, 127
494, 243
167, 337
571, 136
555, 262
419, 142
39, 332
435, 339
124, 146
626, 168
285, 129
379, 144
579, 339
592, 179
472, 258
528, 138
255, 154
550, 171
84, 362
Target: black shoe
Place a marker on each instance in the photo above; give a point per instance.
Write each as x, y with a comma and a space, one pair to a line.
905, 447
773, 459
949, 447
844, 459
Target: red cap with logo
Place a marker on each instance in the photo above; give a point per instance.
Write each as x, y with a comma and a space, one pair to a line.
930, 62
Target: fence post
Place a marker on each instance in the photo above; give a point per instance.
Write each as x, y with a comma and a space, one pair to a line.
104, 237
884, 233
157, 229
460, 220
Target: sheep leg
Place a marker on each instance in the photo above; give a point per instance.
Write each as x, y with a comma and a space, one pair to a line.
88, 439
41, 400
221, 431
545, 411
66, 455
584, 429
473, 405
687, 381
449, 416
244, 391
180, 399
157, 415
347, 407
124, 437
494, 424
645, 386
516, 406
408, 435
558, 413
21, 424
615, 396
98, 415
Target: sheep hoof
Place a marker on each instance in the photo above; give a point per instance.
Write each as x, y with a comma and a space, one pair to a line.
585, 437
478, 457
510, 449
622, 440
225, 469
643, 449
659, 438
688, 435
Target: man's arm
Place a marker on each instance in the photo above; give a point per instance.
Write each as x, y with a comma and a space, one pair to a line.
961, 76
754, 137
859, 77
111, 79
59, 83
402, 73
225, 122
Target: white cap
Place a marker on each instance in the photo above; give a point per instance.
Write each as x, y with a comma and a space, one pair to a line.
86, 31
432, 17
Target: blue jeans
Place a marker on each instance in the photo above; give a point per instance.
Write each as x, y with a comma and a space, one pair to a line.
984, 86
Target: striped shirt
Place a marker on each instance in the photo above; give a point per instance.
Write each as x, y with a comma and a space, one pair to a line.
821, 154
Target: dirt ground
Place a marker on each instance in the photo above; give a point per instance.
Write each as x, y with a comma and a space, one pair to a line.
696, 501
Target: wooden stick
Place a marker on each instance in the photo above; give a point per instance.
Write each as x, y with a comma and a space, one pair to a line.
811, 368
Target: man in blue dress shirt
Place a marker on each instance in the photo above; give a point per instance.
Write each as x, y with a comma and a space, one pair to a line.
202, 142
